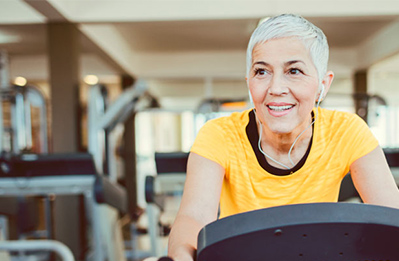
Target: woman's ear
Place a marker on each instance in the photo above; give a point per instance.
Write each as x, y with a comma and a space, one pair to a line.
326, 83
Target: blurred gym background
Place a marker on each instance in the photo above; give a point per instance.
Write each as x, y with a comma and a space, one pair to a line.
101, 101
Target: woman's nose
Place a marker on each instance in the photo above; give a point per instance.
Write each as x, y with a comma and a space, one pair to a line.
278, 85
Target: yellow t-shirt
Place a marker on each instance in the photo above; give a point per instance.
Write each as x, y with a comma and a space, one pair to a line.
339, 138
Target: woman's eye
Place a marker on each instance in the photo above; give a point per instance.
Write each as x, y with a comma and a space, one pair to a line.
260, 72
295, 71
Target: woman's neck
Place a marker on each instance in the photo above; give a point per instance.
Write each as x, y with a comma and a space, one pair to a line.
278, 145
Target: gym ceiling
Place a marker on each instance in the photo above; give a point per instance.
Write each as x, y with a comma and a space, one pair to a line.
188, 39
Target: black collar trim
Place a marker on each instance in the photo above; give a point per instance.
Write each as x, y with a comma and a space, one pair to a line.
253, 137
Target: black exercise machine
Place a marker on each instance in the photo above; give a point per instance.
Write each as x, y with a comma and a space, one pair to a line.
317, 232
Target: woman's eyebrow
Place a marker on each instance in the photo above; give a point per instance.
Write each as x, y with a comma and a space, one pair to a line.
293, 62
286, 63
261, 63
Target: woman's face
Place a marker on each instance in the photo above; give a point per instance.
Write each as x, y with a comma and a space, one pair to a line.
283, 82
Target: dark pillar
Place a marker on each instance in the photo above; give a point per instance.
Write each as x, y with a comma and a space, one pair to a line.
64, 63
64, 70
360, 94
129, 155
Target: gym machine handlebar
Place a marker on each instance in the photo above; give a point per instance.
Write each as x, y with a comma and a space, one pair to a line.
33, 245
318, 231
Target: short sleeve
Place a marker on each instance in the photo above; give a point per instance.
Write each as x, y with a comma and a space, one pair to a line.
211, 142
359, 138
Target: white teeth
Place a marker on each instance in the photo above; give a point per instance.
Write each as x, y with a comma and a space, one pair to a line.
280, 108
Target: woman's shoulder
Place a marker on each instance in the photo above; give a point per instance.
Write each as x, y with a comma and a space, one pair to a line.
341, 122
338, 116
235, 118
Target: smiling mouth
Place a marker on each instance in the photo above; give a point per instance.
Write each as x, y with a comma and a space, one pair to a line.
280, 108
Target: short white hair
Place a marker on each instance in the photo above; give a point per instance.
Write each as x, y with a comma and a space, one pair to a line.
290, 25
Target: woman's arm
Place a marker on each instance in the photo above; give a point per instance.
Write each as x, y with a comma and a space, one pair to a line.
374, 181
199, 206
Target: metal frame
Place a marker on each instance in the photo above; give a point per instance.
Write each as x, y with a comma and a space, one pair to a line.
49, 245
100, 120
63, 185
162, 185
3, 227
21, 100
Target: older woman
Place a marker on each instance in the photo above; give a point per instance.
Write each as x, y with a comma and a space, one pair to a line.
284, 151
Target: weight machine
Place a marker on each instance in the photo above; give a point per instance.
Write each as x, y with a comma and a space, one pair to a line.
28, 172
104, 129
